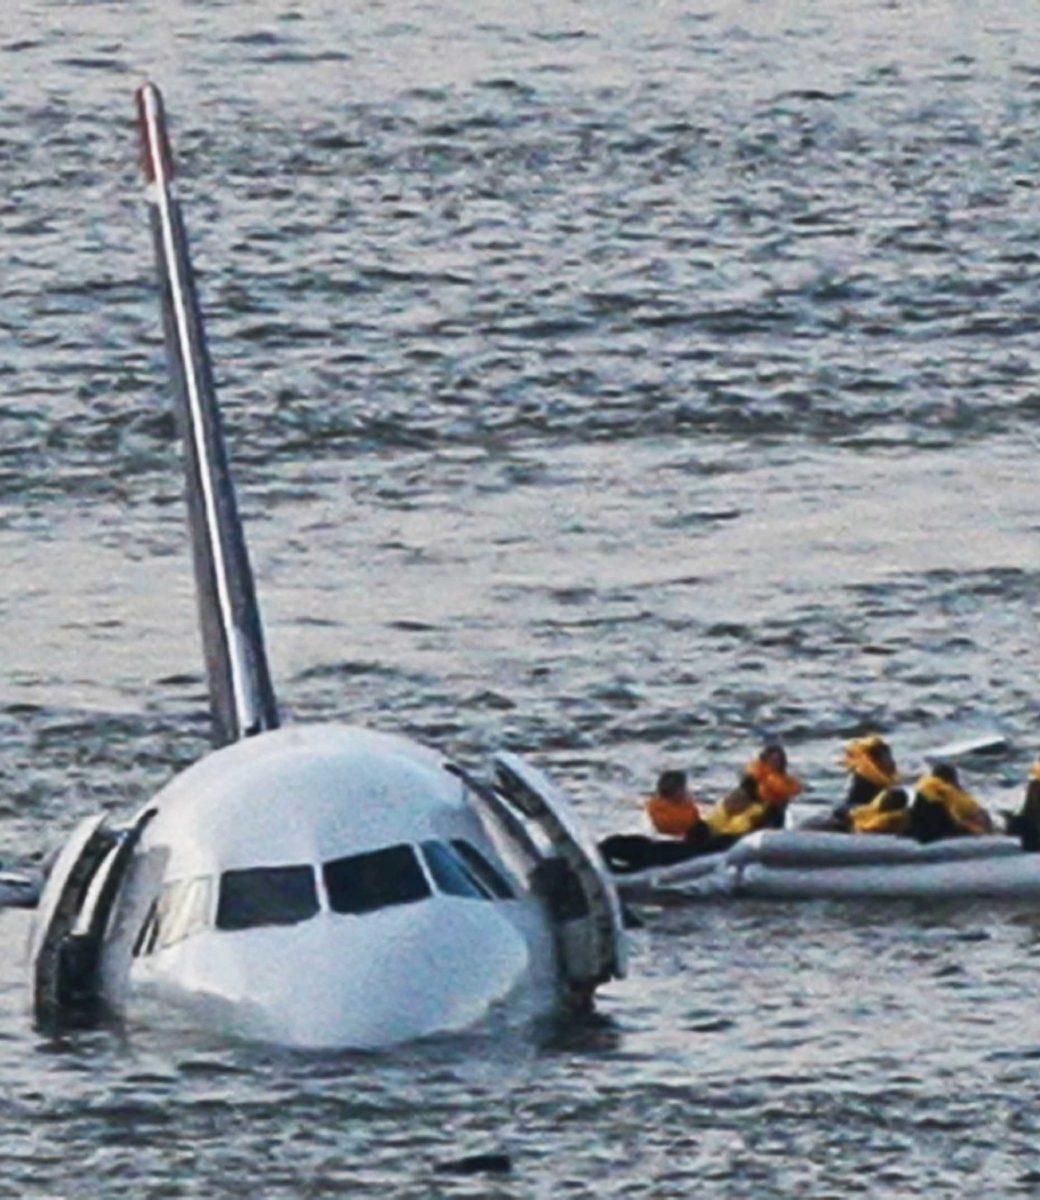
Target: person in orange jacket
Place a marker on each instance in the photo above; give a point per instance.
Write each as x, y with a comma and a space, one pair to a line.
758, 802
776, 786
673, 812
672, 809
761, 798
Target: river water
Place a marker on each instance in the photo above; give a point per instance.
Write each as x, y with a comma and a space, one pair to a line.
617, 383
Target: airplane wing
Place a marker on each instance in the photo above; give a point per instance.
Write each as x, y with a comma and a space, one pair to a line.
241, 696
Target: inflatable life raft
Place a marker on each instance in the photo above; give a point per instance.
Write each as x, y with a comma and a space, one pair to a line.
805, 864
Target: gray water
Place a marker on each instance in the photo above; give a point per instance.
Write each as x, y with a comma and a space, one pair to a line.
617, 383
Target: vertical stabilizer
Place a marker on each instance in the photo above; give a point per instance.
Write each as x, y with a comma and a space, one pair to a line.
241, 697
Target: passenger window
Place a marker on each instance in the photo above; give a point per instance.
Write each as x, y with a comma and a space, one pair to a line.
484, 871
364, 882
266, 896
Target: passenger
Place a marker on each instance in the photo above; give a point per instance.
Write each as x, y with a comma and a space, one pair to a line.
671, 809
740, 813
672, 812
1025, 824
758, 802
776, 788
888, 812
943, 809
761, 798
872, 770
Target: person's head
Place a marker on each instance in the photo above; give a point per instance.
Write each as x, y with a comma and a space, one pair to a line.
881, 755
671, 785
774, 756
947, 772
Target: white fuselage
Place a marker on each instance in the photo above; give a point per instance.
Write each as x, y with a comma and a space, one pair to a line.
304, 887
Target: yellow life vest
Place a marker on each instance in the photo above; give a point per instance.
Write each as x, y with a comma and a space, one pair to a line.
963, 809
879, 817
859, 760
746, 819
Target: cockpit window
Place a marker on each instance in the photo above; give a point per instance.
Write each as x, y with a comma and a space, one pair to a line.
182, 908
487, 874
364, 882
266, 896
450, 874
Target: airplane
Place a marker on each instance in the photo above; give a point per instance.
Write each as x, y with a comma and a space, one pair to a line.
312, 886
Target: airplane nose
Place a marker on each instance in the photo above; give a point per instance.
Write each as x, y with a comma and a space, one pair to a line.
391, 976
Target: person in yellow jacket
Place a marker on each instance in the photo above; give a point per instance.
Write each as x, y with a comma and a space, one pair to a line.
872, 772
740, 813
888, 812
943, 809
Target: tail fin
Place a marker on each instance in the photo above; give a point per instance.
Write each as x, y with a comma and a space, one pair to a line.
241, 696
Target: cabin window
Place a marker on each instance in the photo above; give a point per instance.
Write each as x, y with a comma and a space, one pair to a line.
450, 874
484, 871
266, 896
364, 882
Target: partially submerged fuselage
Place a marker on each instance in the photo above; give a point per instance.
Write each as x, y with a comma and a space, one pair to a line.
325, 886
316, 887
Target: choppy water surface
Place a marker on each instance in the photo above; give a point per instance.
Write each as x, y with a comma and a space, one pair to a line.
617, 383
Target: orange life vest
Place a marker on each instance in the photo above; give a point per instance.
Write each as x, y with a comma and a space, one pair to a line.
674, 818
775, 788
